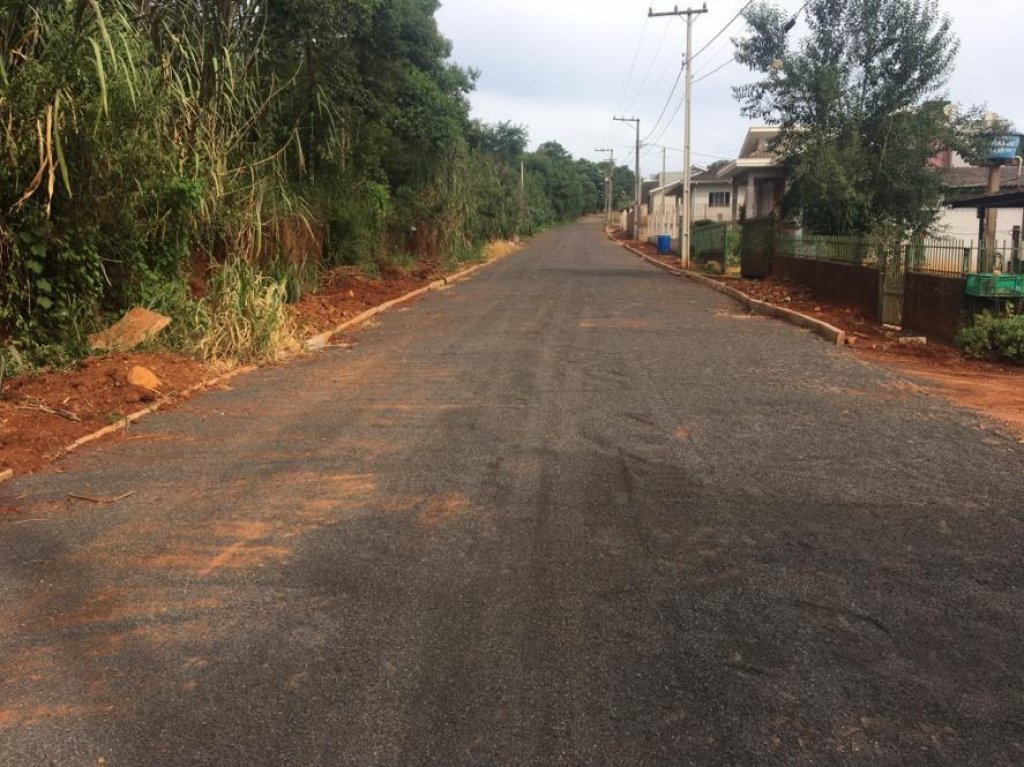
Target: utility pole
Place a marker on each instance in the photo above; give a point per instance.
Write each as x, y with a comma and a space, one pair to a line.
608, 185
684, 231
524, 209
636, 194
664, 166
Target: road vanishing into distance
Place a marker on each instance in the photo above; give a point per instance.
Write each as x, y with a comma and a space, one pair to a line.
574, 511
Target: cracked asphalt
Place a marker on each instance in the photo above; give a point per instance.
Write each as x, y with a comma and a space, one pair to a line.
574, 511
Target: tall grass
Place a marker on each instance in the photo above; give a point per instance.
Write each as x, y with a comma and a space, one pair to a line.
244, 317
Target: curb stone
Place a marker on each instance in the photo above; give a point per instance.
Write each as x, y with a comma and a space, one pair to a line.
320, 340
316, 343
830, 333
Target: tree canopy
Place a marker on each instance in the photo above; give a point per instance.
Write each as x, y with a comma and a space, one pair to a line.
860, 106
146, 142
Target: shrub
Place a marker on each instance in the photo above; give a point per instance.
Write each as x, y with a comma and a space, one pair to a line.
995, 336
243, 317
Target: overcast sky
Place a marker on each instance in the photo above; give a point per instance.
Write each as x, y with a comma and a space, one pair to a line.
563, 68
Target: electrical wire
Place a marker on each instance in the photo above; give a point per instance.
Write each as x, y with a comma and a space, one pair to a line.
632, 67
654, 58
729, 24
714, 71
664, 109
703, 48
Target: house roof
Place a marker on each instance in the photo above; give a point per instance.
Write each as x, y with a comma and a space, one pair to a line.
744, 165
754, 153
977, 178
1012, 199
706, 177
646, 188
703, 177
753, 143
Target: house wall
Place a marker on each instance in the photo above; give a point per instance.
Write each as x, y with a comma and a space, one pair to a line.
962, 224
702, 208
843, 283
936, 306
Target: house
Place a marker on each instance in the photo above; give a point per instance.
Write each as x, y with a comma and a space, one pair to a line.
757, 175
711, 198
961, 223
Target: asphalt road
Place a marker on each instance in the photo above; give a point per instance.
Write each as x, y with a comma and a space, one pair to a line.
574, 511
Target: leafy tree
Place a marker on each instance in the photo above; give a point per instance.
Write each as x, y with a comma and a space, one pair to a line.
857, 105
623, 187
147, 143
717, 165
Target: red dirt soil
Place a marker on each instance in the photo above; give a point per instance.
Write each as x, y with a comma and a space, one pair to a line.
991, 388
348, 292
97, 393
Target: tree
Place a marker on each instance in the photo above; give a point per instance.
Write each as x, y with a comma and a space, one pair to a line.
717, 165
857, 105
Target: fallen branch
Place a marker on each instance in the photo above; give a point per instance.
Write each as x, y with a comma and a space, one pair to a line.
66, 414
101, 501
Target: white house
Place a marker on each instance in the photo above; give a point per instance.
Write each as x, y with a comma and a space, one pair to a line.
711, 198
757, 175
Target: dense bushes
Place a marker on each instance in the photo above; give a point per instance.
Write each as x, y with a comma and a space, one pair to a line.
149, 149
1000, 336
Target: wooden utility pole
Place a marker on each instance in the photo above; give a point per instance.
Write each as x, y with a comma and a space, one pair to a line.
995, 183
524, 208
684, 231
608, 185
637, 192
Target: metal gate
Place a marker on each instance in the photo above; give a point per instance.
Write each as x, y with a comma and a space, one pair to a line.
757, 247
892, 278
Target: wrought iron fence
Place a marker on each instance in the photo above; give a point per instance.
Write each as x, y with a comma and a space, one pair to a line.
947, 258
861, 251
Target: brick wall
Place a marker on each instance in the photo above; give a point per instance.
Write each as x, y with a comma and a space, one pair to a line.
843, 283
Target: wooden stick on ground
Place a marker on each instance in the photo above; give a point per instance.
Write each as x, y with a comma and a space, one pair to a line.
66, 414
101, 501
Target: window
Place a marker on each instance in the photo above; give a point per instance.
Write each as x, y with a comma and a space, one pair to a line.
719, 199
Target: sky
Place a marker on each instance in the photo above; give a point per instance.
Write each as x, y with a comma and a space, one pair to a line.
565, 68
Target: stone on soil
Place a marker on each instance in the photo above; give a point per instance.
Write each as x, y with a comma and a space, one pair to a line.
136, 327
144, 378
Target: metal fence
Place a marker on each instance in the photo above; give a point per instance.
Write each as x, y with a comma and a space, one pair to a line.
861, 251
948, 258
709, 242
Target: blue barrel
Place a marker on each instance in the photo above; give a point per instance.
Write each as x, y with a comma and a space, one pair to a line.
664, 244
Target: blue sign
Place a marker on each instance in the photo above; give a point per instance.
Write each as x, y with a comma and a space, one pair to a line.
1004, 147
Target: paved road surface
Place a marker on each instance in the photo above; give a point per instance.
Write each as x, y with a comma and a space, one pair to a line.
572, 512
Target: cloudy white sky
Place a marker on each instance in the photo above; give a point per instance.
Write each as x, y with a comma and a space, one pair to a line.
563, 68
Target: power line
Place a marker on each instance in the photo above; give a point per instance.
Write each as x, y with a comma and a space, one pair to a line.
722, 30
654, 58
714, 71
632, 67
668, 101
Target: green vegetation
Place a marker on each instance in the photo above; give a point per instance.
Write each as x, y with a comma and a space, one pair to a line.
858, 105
999, 336
211, 159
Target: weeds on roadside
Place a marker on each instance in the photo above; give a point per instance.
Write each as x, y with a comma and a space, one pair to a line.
1000, 336
244, 317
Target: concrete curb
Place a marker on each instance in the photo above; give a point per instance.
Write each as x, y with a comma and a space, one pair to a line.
316, 343
320, 340
830, 333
